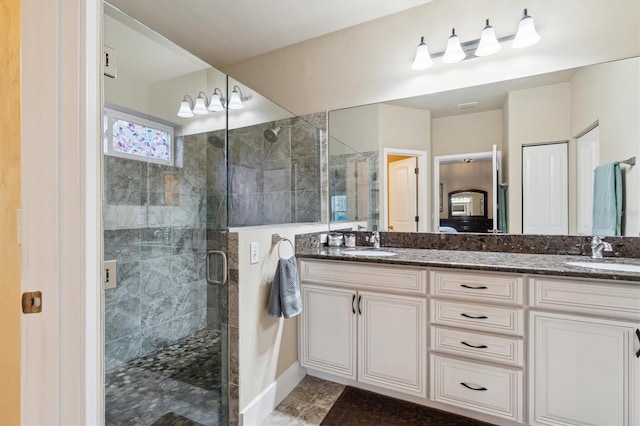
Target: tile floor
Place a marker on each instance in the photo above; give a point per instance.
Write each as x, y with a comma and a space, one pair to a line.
306, 405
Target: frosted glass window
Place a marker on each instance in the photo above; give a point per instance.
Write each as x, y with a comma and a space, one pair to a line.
137, 138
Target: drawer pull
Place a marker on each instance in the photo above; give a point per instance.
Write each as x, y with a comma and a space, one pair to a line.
353, 303
475, 347
638, 334
482, 287
360, 305
472, 317
472, 388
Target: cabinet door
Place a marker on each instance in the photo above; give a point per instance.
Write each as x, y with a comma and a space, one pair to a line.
328, 330
392, 342
583, 371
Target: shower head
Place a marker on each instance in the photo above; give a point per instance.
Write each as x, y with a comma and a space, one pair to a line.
271, 134
216, 141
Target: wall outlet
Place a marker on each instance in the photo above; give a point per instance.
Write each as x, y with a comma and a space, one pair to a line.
109, 274
254, 250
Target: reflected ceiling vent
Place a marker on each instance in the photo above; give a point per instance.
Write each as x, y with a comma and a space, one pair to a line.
468, 105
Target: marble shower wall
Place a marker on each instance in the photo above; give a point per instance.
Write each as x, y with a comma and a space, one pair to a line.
156, 223
275, 183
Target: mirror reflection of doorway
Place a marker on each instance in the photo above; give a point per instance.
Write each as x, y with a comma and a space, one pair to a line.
403, 194
404, 198
474, 173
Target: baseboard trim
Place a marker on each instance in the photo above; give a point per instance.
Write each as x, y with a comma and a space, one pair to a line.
264, 404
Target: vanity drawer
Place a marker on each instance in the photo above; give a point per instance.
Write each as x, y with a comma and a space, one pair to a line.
395, 278
574, 295
505, 350
484, 388
496, 288
478, 317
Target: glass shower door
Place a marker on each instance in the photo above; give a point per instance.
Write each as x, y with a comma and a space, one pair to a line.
164, 221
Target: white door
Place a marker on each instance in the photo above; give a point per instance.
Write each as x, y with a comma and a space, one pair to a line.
392, 342
328, 335
403, 195
495, 168
545, 198
583, 371
588, 159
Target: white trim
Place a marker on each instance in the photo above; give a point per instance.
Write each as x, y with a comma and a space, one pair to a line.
94, 312
268, 400
436, 178
60, 211
423, 187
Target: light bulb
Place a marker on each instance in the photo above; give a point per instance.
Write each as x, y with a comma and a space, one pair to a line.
527, 34
488, 42
454, 52
422, 60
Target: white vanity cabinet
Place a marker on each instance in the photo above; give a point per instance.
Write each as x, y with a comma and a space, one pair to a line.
477, 349
583, 362
359, 323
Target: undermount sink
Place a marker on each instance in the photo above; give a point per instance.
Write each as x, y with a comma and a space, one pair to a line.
378, 253
607, 266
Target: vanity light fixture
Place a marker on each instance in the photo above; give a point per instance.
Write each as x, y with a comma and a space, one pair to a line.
217, 101
202, 105
454, 52
527, 34
236, 99
487, 44
422, 61
185, 109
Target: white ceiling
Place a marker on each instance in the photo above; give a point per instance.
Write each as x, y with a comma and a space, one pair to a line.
222, 32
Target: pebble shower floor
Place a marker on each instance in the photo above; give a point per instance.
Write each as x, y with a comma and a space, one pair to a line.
180, 381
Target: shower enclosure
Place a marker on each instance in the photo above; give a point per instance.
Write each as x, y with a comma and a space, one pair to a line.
172, 187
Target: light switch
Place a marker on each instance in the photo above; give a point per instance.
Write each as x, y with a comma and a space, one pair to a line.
254, 252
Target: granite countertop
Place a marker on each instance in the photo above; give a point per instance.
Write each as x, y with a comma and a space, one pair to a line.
544, 264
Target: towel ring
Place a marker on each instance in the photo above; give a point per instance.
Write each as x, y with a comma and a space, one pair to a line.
280, 245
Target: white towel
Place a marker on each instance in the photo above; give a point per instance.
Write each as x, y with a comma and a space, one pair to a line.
285, 300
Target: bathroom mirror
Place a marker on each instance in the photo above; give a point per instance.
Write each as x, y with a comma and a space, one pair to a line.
551, 107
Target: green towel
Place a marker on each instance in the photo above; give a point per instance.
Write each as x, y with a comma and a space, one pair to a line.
607, 200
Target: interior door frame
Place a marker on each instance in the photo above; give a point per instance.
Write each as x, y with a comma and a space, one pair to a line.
422, 188
436, 178
60, 235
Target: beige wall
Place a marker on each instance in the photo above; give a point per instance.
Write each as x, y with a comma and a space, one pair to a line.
467, 133
371, 62
404, 128
9, 203
550, 105
598, 95
268, 346
356, 129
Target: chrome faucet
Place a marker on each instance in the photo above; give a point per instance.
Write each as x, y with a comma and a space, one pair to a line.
375, 239
598, 246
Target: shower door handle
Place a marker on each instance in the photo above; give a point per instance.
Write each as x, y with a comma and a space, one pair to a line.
223, 256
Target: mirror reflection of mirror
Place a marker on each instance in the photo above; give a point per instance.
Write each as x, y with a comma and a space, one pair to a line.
558, 106
470, 202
